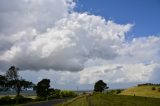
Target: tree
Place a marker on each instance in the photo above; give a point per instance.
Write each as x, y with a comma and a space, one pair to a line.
15, 82
42, 88
3, 81
12, 73
100, 86
19, 84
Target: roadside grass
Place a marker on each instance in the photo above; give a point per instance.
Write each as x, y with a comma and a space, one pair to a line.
80, 100
12, 96
27, 96
35, 102
102, 99
32, 97
145, 91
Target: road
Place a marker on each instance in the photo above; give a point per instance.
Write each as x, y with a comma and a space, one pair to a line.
46, 103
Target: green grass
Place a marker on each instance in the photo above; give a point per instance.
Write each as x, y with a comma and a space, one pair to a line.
13, 96
81, 100
145, 91
112, 100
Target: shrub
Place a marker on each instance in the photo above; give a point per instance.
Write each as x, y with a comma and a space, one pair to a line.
67, 94
54, 94
21, 99
40, 99
6, 100
158, 89
111, 92
85, 93
61, 94
153, 88
118, 91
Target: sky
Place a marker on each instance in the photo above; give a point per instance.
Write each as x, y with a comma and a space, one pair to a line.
137, 12
75, 43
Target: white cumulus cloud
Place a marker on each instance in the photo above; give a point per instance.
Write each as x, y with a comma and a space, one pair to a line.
68, 45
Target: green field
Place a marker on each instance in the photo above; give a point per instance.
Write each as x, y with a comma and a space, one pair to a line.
112, 100
145, 91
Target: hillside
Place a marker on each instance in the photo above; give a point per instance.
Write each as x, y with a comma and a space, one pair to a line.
112, 100
145, 90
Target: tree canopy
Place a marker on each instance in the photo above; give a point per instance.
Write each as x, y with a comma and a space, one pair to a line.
12, 73
3, 82
42, 88
100, 86
14, 81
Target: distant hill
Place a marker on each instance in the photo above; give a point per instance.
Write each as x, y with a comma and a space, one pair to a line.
143, 90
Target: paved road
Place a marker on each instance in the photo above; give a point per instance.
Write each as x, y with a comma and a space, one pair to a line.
46, 103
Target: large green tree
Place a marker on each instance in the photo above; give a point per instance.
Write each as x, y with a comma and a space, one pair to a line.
100, 86
42, 88
15, 82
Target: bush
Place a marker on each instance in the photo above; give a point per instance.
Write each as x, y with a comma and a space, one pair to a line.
67, 94
40, 99
21, 99
54, 94
6, 100
84, 93
118, 91
153, 88
110, 92
61, 94
158, 89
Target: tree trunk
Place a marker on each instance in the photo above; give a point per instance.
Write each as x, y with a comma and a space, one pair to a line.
17, 96
18, 88
18, 92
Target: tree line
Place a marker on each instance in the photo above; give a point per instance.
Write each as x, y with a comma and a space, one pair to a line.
146, 84
11, 80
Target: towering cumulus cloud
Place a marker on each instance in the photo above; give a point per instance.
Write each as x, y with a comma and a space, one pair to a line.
53, 38
50, 35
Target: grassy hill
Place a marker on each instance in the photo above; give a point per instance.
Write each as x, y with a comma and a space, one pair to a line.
145, 90
112, 100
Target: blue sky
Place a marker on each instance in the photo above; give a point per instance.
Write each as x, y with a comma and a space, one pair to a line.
144, 14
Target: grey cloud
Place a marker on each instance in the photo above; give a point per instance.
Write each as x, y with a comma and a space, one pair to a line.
116, 68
